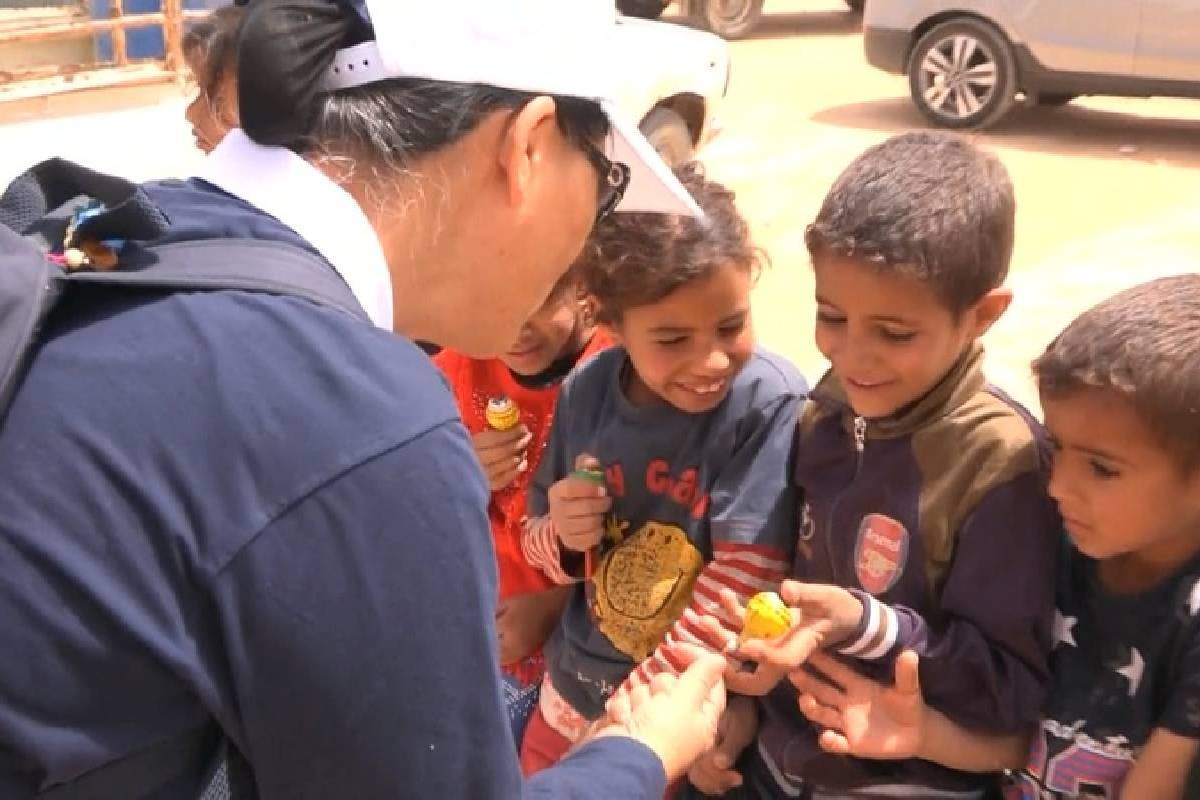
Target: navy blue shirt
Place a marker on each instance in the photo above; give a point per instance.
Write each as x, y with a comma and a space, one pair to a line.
259, 510
1123, 666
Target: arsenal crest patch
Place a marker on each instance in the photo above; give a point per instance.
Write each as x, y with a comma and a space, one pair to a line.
880, 553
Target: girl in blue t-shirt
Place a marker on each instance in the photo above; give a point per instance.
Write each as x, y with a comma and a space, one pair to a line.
666, 475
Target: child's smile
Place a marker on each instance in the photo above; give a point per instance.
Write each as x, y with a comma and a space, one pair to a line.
687, 348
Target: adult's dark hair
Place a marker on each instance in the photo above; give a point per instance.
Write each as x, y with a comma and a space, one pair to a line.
210, 46
285, 48
925, 204
634, 260
1142, 344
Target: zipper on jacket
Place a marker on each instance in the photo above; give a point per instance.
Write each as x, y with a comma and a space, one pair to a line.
860, 444
860, 441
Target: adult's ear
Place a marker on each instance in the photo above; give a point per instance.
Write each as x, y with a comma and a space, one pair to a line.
527, 150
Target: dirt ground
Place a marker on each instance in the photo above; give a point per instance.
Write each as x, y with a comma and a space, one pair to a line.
1108, 189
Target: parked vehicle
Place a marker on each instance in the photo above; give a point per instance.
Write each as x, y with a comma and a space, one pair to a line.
673, 79
730, 19
969, 61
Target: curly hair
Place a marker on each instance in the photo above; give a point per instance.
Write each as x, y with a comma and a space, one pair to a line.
634, 260
1142, 344
210, 46
925, 204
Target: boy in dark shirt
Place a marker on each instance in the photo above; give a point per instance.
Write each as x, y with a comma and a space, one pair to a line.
1122, 399
926, 523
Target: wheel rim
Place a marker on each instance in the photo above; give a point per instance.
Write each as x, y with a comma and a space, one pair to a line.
731, 13
958, 76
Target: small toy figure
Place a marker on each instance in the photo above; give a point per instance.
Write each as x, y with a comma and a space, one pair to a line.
502, 414
767, 617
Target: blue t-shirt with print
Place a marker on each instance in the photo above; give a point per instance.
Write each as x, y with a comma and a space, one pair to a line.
683, 485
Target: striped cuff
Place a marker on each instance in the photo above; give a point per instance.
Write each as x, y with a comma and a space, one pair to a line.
539, 545
877, 632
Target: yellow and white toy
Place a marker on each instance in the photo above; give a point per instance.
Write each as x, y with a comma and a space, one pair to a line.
767, 617
502, 414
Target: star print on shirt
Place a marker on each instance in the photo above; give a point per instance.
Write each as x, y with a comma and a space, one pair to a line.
1133, 670
1063, 626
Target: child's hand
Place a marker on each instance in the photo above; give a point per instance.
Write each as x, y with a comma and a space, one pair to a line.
839, 607
577, 507
502, 455
772, 659
821, 614
714, 773
860, 716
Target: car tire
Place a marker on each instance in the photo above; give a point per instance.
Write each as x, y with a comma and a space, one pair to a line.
856, 5
670, 136
642, 9
962, 74
729, 19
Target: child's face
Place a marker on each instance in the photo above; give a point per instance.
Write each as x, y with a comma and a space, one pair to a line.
553, 330
1119, 492
213, 116
687, 347
888, 337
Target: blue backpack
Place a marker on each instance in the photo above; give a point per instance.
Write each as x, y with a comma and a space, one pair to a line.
44, 214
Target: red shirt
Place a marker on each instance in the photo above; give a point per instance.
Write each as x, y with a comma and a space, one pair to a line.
474, 382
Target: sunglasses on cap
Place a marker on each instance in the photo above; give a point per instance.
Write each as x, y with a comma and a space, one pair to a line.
614, 179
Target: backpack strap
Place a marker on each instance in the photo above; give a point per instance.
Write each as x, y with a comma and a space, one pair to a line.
251, 265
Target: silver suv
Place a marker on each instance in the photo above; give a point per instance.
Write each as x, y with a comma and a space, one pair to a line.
968, 61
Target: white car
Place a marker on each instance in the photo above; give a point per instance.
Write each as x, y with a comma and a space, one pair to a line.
673, 80
968, 60
731, 19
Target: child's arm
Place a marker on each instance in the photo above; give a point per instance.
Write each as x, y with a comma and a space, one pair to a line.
984, 659
565, 513
984, 662
867, 719
1162, 769
751, 511
714, 773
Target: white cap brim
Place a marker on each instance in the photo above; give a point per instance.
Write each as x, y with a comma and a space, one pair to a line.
553, 47
652, 186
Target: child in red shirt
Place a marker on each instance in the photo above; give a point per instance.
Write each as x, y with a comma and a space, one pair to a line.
556, 338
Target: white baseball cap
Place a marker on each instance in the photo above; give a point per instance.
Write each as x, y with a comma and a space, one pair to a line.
559, 47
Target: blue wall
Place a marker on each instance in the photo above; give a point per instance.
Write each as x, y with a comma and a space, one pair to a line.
140, 42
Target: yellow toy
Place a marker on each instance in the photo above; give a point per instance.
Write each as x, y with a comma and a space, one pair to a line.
767, 617
502, 414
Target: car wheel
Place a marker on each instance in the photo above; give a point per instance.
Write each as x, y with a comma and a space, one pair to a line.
643, 9
669, 134
962, 74
856, 5
729, 19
